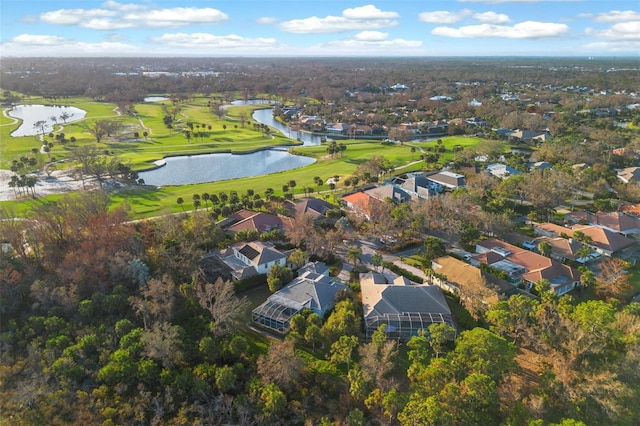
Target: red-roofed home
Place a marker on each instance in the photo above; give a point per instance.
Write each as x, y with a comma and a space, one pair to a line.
613, 221
525, 266
358, 202
245, 220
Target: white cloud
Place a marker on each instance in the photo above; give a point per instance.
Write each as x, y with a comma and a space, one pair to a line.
38, 40
121, 7
106, 24
200, 40
444, 16
177, 17
368, 12
266, 20
371, 36
523, 30
118, 16
619, 31
45, 45
492, 18
615, 16
359, 18
74, 16
615, 46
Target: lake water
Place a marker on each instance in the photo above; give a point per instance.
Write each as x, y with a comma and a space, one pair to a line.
186, 170
155, 99
265, 116
31, 114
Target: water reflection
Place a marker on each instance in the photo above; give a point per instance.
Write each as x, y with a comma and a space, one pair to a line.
215, 167
45, 115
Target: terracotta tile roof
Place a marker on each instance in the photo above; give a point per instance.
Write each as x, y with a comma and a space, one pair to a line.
617, 221
465, 276
360, 201
633, 209
247, 220
604, 238
552, 228
536, 266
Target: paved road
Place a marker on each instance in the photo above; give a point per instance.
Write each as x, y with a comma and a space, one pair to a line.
369, 247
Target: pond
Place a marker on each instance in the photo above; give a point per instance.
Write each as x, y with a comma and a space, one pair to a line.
155, 99
203, 168
45, 115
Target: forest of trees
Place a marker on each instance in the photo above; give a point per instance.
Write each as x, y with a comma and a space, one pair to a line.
112, 322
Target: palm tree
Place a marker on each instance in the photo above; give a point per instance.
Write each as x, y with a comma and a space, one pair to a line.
206, 197
292, 185
354, 181
353, 254
268, 193
583, 253
180, 202
545, 248
376, 260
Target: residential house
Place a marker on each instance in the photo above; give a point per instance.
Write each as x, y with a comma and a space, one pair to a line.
417, 186
312, 289
337, 128
440, 98
526, 267
562, 249
246, 220
312, 122
405, 308
385, 193
578, 167
358, 202
447, 179
467, 280
630, 175
613, 221
525, 136
541, 138
361, 202
475, 103
248, 259
631, 209
475, 121
504, 132
399, 86
315, 207
539, 165
502, 171
602, 240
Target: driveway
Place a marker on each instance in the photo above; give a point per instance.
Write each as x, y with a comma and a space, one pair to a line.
370, 247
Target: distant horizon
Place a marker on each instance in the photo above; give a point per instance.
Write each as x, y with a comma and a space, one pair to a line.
630, 58
308, 29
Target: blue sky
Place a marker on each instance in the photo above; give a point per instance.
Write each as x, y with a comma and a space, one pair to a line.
230, 28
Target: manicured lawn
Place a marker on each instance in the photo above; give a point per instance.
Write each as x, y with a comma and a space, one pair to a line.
162, 141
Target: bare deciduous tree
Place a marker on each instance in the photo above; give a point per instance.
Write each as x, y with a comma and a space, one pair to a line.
221, 302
